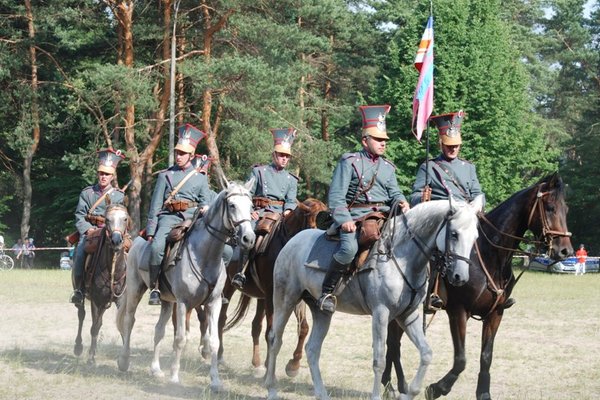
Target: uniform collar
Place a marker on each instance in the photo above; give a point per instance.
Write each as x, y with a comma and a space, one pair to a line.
276, 168
371, 157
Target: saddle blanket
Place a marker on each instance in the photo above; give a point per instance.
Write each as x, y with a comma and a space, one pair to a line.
321, 253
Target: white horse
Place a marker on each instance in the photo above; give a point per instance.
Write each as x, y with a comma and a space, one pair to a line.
197, 278
391, 285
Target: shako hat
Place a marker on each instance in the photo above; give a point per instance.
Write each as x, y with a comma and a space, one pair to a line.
189, 137
283, 138
108, 159
373, 121
448, 126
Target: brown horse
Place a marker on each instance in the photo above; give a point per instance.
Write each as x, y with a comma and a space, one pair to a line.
541, 209
260, 286
105, 274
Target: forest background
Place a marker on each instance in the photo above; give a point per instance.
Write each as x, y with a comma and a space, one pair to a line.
80, 75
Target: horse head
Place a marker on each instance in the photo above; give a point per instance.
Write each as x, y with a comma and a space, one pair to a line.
304, 216
230, 213
456, 238
117, 222
548, 216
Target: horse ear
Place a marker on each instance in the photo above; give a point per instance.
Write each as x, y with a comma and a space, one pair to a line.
249, 185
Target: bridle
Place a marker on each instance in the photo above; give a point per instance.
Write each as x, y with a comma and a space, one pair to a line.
548, 234
229, 233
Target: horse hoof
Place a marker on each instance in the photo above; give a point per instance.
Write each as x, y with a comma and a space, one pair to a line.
91, 362
78, 349
157, 373
429, 393
123, 363
292, 369
174, 380
216, 388
259, 372
484, 396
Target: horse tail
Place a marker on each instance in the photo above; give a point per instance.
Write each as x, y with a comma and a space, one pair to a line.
240, 312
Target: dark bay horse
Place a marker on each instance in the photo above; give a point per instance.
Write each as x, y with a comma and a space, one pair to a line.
105, 278
261, 284
390, 286
541, 209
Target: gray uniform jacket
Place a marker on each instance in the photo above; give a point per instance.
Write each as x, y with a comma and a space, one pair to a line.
278, 185
87, 199
194, 190
455, 177
352, 175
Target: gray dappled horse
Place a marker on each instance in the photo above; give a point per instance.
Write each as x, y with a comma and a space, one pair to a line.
196, 279
105, 276
390, 286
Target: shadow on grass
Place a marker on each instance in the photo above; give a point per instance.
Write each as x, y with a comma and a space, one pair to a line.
194, 373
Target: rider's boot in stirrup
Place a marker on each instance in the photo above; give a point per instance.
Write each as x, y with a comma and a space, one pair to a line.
154, 299
327, 301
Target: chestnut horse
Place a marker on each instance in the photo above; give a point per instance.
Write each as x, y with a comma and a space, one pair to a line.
260, 286
541, 209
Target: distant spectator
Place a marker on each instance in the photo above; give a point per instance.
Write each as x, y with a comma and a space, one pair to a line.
29, 253
581, 255
18, 251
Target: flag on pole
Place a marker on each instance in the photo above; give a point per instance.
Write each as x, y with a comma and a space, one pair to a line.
423, 98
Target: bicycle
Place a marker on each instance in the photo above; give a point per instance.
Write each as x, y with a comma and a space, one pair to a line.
6, 261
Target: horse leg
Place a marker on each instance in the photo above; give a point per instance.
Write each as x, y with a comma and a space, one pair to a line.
180, 339
213, 310
256, 329
321, 323
203, 345
293, 365
280, 317
488, 334
97, 313
78, 349
126, 317
458, 329
392, 360
414, 331
228, 291
166, 310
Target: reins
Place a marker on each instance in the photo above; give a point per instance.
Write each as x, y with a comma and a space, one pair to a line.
227, 235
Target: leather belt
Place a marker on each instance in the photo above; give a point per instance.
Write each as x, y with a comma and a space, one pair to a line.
262, 202
96, 220
368, 205
180, 205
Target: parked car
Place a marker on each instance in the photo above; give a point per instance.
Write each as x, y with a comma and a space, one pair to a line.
566, 266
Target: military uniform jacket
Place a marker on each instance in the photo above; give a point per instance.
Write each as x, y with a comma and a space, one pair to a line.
278, 185
88, 198
455, 177
195, 189
353, 174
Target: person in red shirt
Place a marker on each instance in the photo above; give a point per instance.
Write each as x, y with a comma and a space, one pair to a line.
581, 255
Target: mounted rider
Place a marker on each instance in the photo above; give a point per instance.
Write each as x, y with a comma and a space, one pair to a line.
180, 192
362, 182
444, 176
89, 214
274, 190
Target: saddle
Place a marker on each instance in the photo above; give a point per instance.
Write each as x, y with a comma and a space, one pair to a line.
174, 241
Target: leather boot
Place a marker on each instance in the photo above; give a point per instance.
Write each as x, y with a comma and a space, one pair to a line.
509, 303
327, 301
78, 297
155, 293
239, 280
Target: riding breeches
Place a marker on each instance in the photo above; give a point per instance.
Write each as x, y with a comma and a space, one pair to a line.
348, 247
78, 270
166, 222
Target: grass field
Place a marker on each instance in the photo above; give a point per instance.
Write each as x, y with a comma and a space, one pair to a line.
548, 347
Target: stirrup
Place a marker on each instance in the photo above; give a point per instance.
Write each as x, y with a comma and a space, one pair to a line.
154, 299
238, 281
434, 304
327, 302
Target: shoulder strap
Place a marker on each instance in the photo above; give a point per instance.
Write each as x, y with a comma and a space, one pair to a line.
452, 177
103, 197
179, 186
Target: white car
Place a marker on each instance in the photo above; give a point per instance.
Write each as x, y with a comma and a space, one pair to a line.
566, 266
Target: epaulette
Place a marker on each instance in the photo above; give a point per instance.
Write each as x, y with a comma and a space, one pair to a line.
294, 176
346, 156
385, 160
465, 161
258, 165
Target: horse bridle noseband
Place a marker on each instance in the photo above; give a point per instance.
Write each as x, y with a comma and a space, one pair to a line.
229, 235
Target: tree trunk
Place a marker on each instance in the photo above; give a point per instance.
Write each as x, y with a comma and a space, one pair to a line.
35, 121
